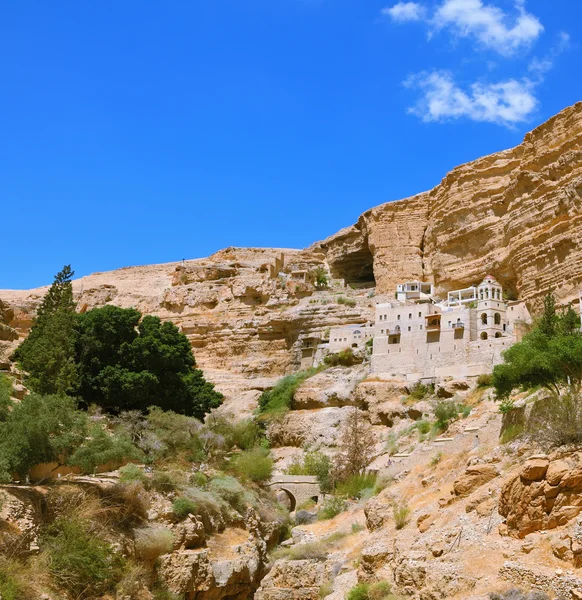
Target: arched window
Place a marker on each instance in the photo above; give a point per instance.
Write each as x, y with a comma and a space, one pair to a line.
497, 319
498, 334
484, 335
484, 318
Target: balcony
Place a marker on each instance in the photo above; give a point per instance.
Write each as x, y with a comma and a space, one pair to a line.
433, 323
395, 331
458, 325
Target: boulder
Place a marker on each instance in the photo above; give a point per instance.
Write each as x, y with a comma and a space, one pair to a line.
474, 477
545, 494
535, 468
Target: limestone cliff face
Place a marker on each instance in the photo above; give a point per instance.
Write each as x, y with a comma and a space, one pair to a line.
516, 214
246, 311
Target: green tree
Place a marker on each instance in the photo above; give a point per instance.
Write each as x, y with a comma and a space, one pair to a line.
550, 356
5, 393
129, 363
548, 321
47, 354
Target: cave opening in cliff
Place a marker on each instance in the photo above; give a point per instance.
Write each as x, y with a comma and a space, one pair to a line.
356, 267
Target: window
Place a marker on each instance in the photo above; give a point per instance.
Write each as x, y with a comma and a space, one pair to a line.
421, 327
484, 335
497, 319
419, 315
498, 334
409, 328
484, 319
398, 317
381, 332
410, 315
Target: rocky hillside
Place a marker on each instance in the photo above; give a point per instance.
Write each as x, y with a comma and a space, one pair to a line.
516, 214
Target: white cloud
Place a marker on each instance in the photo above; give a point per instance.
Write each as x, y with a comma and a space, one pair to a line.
505, 103
488, 24
405, 11
540, 66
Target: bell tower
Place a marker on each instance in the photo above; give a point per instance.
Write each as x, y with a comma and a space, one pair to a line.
491, 309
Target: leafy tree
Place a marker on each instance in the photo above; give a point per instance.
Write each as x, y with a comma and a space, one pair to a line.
541, 360
47, 354
5, 393
548, 321
129, 363
40, 429
320, 277
569, 322
356, 446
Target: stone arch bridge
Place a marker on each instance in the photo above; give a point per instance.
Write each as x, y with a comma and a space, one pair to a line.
299, 488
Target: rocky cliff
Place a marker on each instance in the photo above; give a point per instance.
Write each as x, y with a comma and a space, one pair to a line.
516, 214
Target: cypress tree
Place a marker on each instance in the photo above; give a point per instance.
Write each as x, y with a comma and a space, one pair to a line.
47, 355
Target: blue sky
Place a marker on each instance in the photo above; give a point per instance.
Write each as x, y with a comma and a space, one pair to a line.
137, 132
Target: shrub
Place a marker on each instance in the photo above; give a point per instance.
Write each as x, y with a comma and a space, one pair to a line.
464, 410
419, 391
102, 448
14, 581
280, 398
208, 506
316, 464
436, 459
325, 589
343, 358
423, 426
80, 563
557, 421
162, 593
401, 514
175, 432
356, 527
304, 517
164, 481
382, 482
182, 507
255, 464
308, 551
244, 434
515, 594
376, 591
346, 301
230, 490
392, 444
331, 507
152, 542
130, 501
133, 580
444, 412
198, 479
359, 592
354, 485
485, 380
130, 473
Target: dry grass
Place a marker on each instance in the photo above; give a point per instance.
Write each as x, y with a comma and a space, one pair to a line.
152, 542
129, 502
